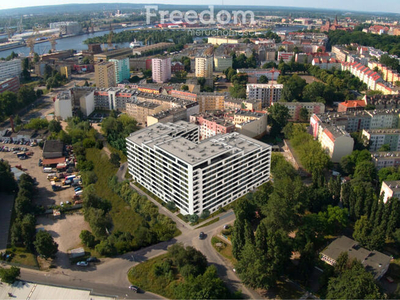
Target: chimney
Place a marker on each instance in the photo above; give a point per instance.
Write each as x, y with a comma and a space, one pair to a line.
12, 123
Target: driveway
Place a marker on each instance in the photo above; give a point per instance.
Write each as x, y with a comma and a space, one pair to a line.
6, 204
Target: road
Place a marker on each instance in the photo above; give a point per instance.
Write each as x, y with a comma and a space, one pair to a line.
110, 276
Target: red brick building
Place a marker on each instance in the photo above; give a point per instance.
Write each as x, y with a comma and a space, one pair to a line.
177, 66
351, 105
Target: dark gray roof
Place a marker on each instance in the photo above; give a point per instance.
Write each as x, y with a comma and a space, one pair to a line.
53, 146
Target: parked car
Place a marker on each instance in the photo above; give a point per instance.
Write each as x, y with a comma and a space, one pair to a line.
92, 259
134, 288
82, 263
226, 226
77, 189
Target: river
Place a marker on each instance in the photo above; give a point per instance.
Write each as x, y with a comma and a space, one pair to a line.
73, 42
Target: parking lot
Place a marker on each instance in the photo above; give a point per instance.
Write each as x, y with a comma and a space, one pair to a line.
30, 165
65, 229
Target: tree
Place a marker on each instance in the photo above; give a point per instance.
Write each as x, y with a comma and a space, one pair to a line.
384, 148
263, 79
45, 245
201, 81
304, 114
89, 177
55, 126
9, 275
87, 238
7, 181
193, 218
354, 283
205, 214
114, 159
184, 87
278, 118
365, 171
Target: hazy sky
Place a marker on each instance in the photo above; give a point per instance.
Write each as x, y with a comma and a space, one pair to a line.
358, 5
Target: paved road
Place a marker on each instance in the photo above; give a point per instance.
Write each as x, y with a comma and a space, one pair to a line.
110, 276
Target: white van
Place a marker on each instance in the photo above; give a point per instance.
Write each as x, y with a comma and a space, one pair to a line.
47, 170
78, 193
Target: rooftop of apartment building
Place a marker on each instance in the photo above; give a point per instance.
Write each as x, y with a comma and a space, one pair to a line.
249, 113
335, 132
385, 154
264, 85
149, 105
394, 185
217, 147
169, 112
382, 131
216, 116
64, 95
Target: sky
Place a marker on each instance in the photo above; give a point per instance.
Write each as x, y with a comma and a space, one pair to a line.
355, 5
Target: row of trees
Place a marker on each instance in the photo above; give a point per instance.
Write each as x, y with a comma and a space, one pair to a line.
11, 102
23, 230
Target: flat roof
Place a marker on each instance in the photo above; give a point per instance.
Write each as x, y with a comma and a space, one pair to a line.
159, 136
53, 146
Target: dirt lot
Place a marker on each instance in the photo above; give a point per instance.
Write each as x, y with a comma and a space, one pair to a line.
65, 232
30, 165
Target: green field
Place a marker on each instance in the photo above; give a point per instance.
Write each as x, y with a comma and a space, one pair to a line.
124, 219
22, 257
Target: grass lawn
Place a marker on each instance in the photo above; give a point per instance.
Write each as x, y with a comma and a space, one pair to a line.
285, 290
124, 219
209, 223
225, 250
119, 152
23, 257
143, 277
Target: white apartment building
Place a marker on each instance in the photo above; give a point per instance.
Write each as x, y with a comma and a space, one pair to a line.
169, 161
161, 69
63, 105
295, 108
204, 67
335, 141
390, 189
267, 93
10, 68
386, 159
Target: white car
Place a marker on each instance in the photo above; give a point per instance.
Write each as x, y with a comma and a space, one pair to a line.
82, 263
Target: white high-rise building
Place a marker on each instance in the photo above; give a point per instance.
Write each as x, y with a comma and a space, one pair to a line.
10, 68
161, 69
204, 67
267, 93
63, 105
169, 161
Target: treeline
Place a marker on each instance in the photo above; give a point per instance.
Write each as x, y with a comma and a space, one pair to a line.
183, 273
116, 129
335, 86
23, 229
154, 227
384, 42
11, 102
260, 236
376, 221
145, 36
7, 182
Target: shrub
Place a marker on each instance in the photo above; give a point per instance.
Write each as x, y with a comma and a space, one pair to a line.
88, 238
205, 214
9, 275
193, 218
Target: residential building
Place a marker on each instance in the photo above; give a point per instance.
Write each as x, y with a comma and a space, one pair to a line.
221, 63
140, 110
221, 40
151, 48
10, 68
285, 56
373, 261
122, 71
383, 101
376, 138
390, 189
326, 63
86, 102
104, 74
365, 74
267, 93
204, 67
168, 116
210, 101
251, 123
340, 52
109, 54
336, 142
351, 105
63, 105
295, 108
255, 74
10, 84
386, 159
161, 69
196, 176
66, 28
177, 66
212, 124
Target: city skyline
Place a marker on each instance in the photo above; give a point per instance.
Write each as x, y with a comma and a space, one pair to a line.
389, 6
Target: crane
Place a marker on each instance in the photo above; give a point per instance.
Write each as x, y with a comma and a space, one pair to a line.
8, 29
30, 42
109, 38
53, 43
20, 27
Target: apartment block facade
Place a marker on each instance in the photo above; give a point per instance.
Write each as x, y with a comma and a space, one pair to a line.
295, 108
376, 138
104, 74
204, 67
267, 93
168, 160
161, 69
121, 67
